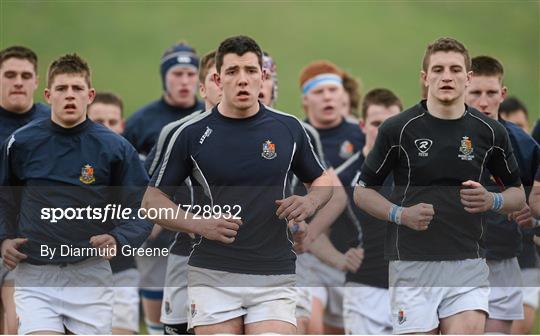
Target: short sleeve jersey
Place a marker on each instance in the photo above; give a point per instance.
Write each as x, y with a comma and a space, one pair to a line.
430, 158
243, 163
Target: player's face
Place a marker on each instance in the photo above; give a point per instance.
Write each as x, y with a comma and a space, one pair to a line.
108, 115
181, 83
446, 77
265, 96
486, 93
519, 118
209, 90
375, 116
69, 97
324, 104
18, 81
241, 81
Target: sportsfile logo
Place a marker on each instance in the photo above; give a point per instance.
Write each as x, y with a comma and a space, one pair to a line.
423, 146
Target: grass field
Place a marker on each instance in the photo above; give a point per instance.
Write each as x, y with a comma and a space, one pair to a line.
380, 42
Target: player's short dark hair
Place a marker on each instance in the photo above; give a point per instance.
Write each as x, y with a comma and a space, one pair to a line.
69, 64
207, 61
446, 44
512, 105
109, 98
352, 88
382, 97
487, 66
19, 52
238, 45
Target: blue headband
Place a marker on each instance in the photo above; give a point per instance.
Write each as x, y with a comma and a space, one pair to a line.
327, 78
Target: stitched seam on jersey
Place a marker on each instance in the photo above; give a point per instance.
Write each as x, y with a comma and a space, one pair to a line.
347, 163
504, 157
165, 131
173, 140
386, 157
317, 138
492, 131
303, 129
284, 186
206, 186
408, 175
483, 162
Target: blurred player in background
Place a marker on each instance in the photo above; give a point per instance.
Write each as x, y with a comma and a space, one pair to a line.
503, 238
513, 110
107, 109
18, 82
179, 77
366, 303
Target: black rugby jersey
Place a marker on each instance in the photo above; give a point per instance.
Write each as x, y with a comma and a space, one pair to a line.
246, 163
430, 158
342, 145
64, 168
374, 268
143, 127
10, 121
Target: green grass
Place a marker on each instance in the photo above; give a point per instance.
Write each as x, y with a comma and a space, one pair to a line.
380, 42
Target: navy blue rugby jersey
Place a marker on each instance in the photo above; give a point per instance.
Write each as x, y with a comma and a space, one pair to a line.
243, 163
374, 269
342, 146
504, 238
143, 127
10, 121
182, 242
430, 158
64, 168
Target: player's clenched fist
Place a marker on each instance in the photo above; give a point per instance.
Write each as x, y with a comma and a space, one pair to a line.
10, 252
352, 259
522, 217
296, 208
475, 198
418, 217
105, 243
221, 229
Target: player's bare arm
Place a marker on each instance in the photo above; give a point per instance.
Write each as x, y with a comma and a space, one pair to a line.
223, 230
476, 199
298, 208
327, 215
417, 217
323, 249
534, 199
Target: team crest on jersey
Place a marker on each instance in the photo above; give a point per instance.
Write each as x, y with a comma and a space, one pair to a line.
466, 148
346, 150
269, 150
423, 146
87, 174
401, 317
193, 309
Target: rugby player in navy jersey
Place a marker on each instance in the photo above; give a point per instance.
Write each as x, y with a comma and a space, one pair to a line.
67, 162
174, 309
503, 238
323, 100
178, 69
18, 82
439, 151
366, 302
107, 109
256, 148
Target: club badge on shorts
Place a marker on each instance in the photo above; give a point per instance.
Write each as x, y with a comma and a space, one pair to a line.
268, 150
401, 317
193, 309
466, 148
87, 174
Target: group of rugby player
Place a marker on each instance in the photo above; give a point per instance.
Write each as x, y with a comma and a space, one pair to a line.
405, 222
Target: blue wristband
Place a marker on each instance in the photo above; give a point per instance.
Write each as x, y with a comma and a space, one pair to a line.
498, 201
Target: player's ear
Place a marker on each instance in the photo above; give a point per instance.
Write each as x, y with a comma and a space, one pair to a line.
202, 91
423, 78
504, 92
469, 78
47, 95
217, 79
362, 125
91, 95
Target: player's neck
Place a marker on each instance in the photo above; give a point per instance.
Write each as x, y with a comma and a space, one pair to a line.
229, 111
325, 125
60, 123
453, 110
186, 105
21, 111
